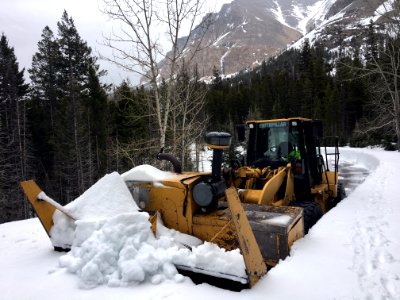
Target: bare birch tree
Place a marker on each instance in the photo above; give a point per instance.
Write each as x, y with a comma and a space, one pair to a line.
138, 47
188, 115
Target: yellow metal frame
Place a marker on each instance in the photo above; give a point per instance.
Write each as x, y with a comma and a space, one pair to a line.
252, 256
273, 182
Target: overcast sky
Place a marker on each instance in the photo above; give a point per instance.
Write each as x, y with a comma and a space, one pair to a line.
22, 21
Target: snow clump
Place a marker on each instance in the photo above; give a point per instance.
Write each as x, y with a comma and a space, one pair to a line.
122, 251
108, 197
112, 242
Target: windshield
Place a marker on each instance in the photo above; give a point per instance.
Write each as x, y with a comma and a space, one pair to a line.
272, 142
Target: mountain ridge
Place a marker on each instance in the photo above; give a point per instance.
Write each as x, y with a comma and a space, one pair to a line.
244, 33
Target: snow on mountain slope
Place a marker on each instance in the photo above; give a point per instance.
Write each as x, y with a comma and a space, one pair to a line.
279, 16
304, 14
342, 25
351, 253
246, 32
318, 13
301, 15
381, 10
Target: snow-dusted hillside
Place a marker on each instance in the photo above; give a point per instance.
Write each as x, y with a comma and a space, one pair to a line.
244, 33
351, 253
341, 25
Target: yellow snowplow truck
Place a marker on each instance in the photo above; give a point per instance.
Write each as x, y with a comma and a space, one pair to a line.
262, 207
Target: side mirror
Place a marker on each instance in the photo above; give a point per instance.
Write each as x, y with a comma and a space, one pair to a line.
241, 132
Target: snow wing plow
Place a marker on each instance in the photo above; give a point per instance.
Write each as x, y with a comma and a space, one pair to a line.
261, 208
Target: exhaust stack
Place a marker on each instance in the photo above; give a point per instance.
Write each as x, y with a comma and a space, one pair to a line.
172, 159
218, 141
206, 193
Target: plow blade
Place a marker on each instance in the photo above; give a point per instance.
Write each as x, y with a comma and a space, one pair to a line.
253, 259
249, 248
221, 280
43, 209
275, 229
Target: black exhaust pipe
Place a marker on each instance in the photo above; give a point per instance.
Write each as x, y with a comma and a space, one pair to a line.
218, 141
207, 192
172, 159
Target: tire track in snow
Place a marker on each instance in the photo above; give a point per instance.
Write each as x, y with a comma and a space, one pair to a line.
371, 256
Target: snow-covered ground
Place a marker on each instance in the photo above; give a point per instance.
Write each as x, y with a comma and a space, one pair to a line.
351, 253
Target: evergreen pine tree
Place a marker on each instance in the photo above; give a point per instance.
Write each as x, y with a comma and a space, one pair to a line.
43, 106
14, 158
372, 44
97, 122
73, 146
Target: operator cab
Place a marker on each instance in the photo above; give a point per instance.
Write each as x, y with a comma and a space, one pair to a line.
271, 143
275, 143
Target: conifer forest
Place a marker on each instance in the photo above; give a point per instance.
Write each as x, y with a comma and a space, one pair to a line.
62, 126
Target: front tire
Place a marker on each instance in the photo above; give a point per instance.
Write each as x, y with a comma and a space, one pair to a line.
340, 195
312, 212
341, 192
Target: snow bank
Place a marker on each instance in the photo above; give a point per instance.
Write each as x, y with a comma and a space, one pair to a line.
112, 242
362, 158
123, 251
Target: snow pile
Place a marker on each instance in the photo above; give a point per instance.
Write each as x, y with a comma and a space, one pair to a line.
209, 259
123, 251
108, 197
179, 237
112, 242
120, 252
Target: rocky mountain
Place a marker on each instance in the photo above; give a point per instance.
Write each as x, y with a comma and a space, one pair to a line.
341, 25
246, 32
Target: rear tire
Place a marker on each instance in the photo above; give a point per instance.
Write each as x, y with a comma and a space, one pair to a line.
312, 212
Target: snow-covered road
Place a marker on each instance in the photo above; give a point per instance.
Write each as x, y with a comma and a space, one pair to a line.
351, 253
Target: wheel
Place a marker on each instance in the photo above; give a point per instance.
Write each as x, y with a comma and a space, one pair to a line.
312, 212
340, 195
